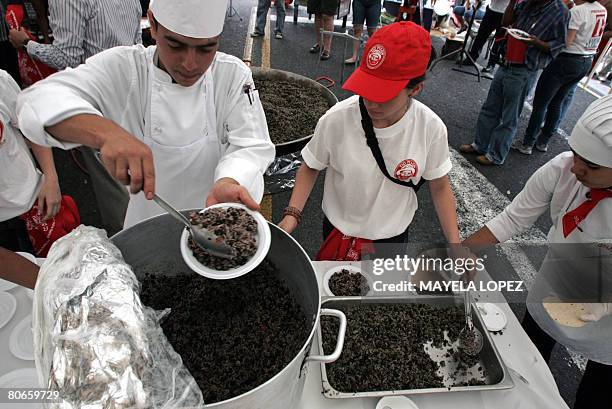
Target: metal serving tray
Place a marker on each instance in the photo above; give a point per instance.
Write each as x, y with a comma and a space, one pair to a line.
496, 372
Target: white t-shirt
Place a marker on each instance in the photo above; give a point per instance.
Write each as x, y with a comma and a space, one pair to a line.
19, 178
589, 19
552, 186
499, 6
357, 198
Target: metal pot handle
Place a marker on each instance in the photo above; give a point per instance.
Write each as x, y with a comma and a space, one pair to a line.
339, 344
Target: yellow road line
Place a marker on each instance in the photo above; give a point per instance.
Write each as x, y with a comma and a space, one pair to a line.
265, 44
247, 55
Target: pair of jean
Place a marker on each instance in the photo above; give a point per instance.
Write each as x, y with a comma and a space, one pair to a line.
490, 22
262, 12
551, 100
467, 15
499, 115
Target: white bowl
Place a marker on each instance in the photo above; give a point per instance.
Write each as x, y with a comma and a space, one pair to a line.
337, 269
263, 239
493, 317
396, 402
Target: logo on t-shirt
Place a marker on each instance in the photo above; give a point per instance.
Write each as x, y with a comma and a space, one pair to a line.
376, 56
406, 169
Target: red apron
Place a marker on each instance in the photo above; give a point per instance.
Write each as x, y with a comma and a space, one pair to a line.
340, 247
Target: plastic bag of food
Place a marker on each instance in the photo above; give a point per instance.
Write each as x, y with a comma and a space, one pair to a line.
94, 341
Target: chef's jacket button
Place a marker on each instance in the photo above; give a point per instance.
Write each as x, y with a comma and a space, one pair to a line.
157, 129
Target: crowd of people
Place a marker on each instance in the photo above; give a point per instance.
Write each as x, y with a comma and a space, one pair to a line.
135, 105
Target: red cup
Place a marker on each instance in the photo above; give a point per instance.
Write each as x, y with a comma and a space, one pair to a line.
516, 50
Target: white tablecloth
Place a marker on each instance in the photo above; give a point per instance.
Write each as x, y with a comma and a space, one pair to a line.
538, 390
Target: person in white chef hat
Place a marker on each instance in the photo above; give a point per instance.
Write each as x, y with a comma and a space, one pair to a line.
577, 187
179, 119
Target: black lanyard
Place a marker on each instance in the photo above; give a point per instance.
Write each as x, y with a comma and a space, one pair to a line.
368, 128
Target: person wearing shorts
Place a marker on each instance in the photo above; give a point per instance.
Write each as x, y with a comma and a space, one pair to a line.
367, 11
324, 12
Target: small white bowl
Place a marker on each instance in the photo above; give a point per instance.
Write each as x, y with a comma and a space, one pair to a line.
263, 238
337, 269
396, 402
494, 318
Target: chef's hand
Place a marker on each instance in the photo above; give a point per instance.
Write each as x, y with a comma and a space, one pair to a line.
129, 160
596, 311
49, 198
288, 224
18, 38
228, 190
464, 258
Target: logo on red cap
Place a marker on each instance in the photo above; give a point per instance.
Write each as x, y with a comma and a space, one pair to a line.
376, 56
406, 169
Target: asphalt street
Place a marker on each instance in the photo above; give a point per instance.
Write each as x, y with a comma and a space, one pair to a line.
456, 97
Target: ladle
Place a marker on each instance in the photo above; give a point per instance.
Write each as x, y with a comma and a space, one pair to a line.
206, 240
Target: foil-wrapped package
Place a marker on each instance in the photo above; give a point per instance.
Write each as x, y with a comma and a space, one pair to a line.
94, 341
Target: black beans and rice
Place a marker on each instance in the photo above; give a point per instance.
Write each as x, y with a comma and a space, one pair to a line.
236, 227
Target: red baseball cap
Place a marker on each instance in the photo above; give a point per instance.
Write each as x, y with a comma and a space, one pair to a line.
393, 56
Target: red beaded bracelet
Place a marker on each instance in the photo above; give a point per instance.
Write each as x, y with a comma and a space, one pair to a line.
293, 211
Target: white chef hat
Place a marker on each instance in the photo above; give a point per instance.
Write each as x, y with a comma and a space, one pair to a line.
592, 135
191, 18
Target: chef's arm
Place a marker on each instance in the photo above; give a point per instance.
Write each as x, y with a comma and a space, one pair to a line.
304, 182
483, 237
444, 203
17, 269
125, 157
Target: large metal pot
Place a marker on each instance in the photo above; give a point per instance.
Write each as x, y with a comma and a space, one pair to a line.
152, 246
279, 75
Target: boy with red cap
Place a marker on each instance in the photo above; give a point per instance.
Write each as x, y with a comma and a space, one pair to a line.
378, 147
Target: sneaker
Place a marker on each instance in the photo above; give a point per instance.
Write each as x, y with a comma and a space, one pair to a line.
542, 147
256, 34
519, 146
278, 36
488, 69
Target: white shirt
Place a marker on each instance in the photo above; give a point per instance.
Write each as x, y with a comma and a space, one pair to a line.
357, 198
118, 84
554, 186
82, 28
19, 178
589, 19
499, 6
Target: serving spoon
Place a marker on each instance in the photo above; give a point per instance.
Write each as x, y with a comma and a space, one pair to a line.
205, 239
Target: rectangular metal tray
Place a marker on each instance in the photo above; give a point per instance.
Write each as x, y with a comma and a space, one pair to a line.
496, 372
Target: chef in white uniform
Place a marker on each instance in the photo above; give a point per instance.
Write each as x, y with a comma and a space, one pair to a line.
577, 187
179, 119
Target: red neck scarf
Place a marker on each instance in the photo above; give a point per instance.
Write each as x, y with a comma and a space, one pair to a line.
573, 218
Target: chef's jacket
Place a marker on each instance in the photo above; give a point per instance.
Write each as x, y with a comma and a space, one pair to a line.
578, 267
20, 180
213, 129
